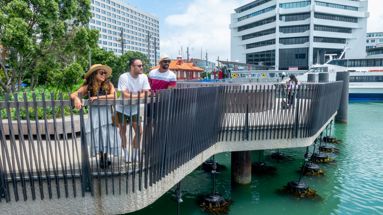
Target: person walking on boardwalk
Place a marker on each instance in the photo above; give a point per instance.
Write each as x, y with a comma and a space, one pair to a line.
292, 85
100, 134
132, 84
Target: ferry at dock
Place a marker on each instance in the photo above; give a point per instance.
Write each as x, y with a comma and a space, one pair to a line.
366, 76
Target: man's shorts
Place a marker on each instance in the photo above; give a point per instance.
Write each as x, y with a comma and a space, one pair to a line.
120, 117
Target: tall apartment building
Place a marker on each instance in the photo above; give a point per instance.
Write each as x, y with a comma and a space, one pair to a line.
125, 28
298, 33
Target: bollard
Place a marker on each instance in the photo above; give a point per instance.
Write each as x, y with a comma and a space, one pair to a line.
241, 167
323, 77
311, 78
342, 114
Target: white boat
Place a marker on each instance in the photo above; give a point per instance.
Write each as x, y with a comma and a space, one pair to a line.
366, 76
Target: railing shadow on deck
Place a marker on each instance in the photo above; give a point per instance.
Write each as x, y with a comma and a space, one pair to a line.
43, 158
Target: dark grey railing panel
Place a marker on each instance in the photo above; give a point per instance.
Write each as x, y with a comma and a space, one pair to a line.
48, 148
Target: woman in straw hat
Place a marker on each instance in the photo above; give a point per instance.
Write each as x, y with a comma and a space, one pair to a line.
101, 136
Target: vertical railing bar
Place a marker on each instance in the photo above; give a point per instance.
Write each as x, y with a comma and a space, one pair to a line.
23, 152
6, 159
65, 147
145, 140
12, 146
40, 150
138, 142
74, 147
32, 148
58, 148
48, 143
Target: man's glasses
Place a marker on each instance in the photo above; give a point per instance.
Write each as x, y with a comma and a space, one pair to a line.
139, 66
102, 72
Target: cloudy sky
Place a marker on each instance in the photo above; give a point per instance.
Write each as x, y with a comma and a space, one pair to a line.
204, 24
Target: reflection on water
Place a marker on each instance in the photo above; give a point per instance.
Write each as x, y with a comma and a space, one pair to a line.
351, 185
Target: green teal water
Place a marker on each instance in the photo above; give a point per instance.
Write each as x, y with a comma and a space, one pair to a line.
351, 185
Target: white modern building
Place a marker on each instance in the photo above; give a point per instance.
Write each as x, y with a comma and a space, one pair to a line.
295, 34
374, 44
125, 28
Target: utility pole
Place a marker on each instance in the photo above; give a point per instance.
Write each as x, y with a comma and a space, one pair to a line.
187, 54
155, 50
122, 40
206, 59
149, 36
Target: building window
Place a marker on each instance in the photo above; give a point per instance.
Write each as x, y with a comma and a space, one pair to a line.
294, 29
265, 58
260, 44
295, 4
256, 13
332, 29
336, 17
294, 17
329, 40
338, 6
256, 24
251, 5
258, 34
293, 40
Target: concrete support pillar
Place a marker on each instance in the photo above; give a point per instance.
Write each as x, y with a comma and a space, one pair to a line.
241, 167
311, 78
323, 77
342, 115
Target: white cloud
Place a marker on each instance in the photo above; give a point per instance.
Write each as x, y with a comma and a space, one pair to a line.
204, 24
376, 16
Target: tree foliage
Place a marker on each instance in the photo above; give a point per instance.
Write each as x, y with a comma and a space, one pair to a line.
119, 64
42, 36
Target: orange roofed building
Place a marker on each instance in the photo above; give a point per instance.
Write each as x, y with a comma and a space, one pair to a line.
184, 70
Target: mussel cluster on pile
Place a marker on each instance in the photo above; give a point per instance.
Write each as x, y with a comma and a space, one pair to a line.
299, 189
321, 158
312, 169
328, 149
214, 204
329, 139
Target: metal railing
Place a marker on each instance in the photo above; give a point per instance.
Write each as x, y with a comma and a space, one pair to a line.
49, 150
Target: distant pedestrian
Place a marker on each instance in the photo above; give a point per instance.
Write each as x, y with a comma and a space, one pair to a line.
99, 130
132, 84
292, 85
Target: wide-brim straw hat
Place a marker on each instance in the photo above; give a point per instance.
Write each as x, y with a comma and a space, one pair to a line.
96, 67
164, 57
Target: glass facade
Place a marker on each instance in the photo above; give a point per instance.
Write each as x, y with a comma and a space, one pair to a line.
294, 17
266, 58
294, 29
258, 34
336, 17
293, 40
256, 24
332, 29
257, 13
295, 4
329, 40
293, 58
260, 44
338, 6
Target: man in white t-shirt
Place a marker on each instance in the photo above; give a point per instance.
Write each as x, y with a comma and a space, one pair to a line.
131, 84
